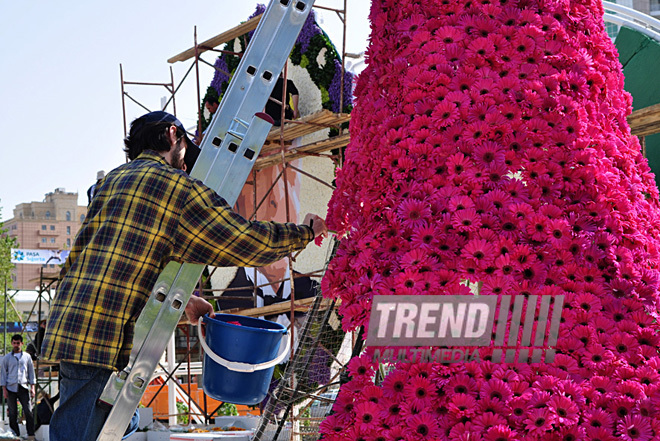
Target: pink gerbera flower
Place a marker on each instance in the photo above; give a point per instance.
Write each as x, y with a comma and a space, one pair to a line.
423, 426
488, 153
390, 413
445, 113
565, 409
518, 410
361, 367
539, 421
495, 285
631, 389
646, 375
414, 214
600, 434
493, 405
372, 393
634, 428
462, 405
394, 384
332, 425
572, 433
462, 384
457, 164
344, 404
410, 282
419, 392
537, 227
598, 418
482, 423
621, 406
501, 433
466, 220
397, 433
496, 389
367, 414
623, 344
424, 237
596, 357
479, 250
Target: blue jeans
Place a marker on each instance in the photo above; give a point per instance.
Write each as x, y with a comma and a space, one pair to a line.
80, 388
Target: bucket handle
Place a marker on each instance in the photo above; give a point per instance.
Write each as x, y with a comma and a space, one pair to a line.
237, 366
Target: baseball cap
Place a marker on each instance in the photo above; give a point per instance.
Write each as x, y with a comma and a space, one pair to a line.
192, 151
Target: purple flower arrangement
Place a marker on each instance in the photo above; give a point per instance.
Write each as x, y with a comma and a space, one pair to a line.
325, 72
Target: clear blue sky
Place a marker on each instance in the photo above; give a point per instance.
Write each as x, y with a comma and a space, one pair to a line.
60, 92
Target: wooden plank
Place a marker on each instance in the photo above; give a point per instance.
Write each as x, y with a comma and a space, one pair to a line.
278, 308
307, 125
50, 276
292, 153
646, 121
216, 41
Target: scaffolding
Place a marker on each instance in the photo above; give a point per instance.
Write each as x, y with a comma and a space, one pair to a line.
645, 122
46, 373
280, 150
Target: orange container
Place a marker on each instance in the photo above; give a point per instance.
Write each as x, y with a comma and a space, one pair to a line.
159, 404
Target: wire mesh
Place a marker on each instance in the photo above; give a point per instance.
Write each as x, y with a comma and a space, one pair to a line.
304, 389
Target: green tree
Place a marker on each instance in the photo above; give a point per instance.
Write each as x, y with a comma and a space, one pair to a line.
6, 244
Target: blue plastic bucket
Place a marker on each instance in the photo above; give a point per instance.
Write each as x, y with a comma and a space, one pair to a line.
239, 359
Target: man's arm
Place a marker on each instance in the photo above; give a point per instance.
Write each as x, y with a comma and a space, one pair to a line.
211, 233
30, 370
196, 308
3, 377
294, 101
293, 91
3, 371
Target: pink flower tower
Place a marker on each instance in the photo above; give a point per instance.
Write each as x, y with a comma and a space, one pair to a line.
490, 149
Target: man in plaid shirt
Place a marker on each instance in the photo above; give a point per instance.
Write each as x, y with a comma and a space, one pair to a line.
144, 214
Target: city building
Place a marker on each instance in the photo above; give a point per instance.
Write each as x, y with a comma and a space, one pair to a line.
48, 225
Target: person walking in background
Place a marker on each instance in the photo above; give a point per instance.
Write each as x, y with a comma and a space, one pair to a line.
144, 214
17, 380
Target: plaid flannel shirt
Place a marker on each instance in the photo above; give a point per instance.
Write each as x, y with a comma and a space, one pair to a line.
144, 215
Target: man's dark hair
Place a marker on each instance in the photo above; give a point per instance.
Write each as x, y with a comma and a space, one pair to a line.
148, 136
18, 337
211, 100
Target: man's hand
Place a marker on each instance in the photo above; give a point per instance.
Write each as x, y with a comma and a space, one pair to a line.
32, 391
4, 391
317, 223
196, 308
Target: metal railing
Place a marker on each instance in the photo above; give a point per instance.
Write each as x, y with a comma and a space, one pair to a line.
632, 19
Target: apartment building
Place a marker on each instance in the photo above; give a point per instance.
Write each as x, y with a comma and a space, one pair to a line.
51, 225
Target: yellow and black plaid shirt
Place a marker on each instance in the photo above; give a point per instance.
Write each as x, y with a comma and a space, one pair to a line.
145, 214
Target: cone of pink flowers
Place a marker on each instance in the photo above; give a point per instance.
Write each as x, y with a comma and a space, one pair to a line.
489, 144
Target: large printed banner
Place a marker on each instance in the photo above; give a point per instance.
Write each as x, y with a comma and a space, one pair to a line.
39, 257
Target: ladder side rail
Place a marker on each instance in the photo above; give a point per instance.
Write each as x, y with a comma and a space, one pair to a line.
248, 90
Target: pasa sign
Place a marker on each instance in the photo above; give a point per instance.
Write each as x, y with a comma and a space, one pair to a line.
39, 257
